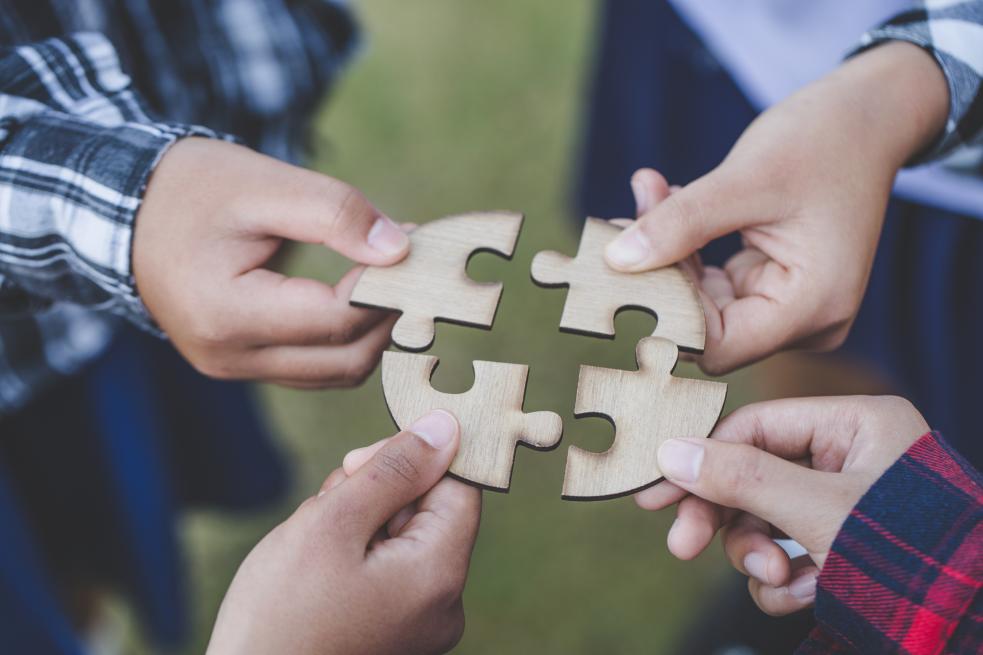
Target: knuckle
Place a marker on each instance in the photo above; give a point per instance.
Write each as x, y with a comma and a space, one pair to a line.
349, 208
395, 465
740, 473
358, 370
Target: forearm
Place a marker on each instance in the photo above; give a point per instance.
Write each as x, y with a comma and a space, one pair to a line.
897, 97
951, 35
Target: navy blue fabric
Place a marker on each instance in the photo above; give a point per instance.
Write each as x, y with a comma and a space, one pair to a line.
660, 99
99, 467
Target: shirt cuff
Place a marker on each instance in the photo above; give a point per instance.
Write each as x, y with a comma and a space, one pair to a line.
85, 181
906, 564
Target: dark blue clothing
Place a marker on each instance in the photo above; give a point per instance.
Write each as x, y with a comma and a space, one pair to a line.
660, 99
93, 475
99, 452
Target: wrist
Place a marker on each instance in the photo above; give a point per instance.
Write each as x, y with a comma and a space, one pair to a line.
897, 98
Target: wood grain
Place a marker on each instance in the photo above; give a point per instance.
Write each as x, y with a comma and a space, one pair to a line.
432, 283
490, 413
598, 292
647, 407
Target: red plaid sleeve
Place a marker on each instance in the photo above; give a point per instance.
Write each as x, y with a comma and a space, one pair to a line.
905, 572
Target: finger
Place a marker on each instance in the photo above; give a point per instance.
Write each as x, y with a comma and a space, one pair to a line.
686, 221
358, 457
321, 366
315, 208
799, 594
808, 505
747, 330
649, 188
659, 496
402, 517
408, 466
336, 477
268, 308
447, 518
752, 551
697, 521
789, 428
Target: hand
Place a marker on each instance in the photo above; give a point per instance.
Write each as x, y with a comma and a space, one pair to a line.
792, 467
213, 216
333, 578
806, 186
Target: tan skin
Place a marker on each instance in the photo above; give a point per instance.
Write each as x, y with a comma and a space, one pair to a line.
806, 186
795, 467
334, 578
377, 563
213, 217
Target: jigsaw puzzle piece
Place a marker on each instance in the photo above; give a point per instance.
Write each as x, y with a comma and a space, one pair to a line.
490, 413
432, 282
597, 291
647, 407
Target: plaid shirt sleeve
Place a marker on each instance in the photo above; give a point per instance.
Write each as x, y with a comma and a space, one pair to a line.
906, 570
76, 152
952, 31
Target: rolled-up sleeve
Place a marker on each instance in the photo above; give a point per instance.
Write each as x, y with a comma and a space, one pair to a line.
952, 32
77, 149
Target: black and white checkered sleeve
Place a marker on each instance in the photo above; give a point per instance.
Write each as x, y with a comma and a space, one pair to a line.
952, 31
76, 151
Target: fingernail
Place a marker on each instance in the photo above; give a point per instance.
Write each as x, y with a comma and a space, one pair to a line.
436, 428
630, 248
681, 460
756, 566
672, 528
348, 462
640, 192
386, 237
804, 588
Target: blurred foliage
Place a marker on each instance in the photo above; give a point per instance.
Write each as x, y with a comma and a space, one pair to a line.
456, 106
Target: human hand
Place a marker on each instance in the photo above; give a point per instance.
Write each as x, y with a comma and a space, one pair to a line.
806, 186
213, 216
335, 578
793, 467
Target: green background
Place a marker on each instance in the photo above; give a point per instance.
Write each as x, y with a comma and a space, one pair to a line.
456, 106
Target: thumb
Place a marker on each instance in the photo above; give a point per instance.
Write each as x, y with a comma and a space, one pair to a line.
681, 223
807, 505
405, 468
315, 208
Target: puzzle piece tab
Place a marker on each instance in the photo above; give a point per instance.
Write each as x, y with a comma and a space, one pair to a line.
431, 283
490, 413
597, 291
647, 407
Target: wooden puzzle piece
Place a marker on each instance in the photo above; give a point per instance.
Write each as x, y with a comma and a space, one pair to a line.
598, 292
490, 413
432, 283
647, 407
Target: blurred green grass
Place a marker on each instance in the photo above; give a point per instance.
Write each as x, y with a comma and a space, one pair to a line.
454, 107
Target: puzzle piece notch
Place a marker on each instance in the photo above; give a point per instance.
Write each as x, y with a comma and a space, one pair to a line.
432, 282
597, 291
647, 407
490, 413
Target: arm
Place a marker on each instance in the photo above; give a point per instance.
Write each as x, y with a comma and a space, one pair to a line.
76, 152
806, 186
953, 34
97, 200
892, 522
